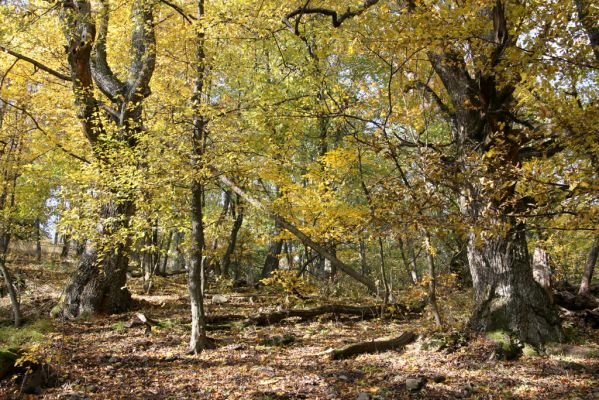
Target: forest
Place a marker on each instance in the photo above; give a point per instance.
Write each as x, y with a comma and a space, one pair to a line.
301, 199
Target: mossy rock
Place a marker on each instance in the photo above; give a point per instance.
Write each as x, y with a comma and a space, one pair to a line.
278, 340
508, 347
8, 357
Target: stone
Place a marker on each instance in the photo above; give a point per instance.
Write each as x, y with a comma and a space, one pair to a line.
363, 396
415, 384
220, 299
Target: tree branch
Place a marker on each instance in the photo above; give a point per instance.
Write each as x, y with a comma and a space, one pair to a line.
36, 64
337, 19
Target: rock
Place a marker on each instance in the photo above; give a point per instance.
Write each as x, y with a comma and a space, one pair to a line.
278, 340
32, 383
415, 384
343, 377
220, 299
363, 396
7, 361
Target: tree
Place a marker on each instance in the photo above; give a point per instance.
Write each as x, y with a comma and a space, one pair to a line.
99, 282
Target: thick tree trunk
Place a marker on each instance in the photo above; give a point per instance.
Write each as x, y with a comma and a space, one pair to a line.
99, 283
507, 296
589, 268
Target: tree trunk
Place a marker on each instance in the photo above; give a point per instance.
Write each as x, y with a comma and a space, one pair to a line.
195, 279
66, 242
541, 271
363, 258
432, 284
506, 295
10, 288
38, 241
226, 260
589, 268
408, 266
275, 247
99, 283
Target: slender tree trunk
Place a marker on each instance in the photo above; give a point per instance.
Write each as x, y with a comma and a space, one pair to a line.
294, 230
589, 268
38, 241
386, 291
412, 274
226, 260
162, 269
66, 244
432, 294
363, 259
198, 340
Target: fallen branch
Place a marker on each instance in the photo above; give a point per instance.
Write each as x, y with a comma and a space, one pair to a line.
375, 346
367, 312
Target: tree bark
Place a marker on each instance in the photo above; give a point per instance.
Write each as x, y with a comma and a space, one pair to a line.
99, 283
506, 295
589, 268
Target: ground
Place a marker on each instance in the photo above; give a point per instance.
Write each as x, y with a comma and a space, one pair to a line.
103, 358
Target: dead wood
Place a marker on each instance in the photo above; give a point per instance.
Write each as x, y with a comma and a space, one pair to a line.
364, 312
374, 346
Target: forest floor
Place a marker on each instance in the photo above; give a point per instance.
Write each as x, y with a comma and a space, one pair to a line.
104, 358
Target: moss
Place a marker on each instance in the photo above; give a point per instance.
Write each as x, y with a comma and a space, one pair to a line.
508, 347
33, 332
118, 326
529, 351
